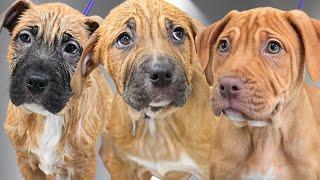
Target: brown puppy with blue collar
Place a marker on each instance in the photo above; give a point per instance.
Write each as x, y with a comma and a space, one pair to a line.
53, 132
255, 60
161, 122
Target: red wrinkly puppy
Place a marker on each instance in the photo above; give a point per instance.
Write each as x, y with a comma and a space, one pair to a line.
255, 61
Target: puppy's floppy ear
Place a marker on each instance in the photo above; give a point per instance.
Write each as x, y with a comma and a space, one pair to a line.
196, 27
9, 19
205, 41
93, 23
88, 62
308, 31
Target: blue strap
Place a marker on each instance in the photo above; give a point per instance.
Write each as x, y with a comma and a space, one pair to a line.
88, 7
300, 4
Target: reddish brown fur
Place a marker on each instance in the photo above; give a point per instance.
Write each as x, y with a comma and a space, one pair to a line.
290, 143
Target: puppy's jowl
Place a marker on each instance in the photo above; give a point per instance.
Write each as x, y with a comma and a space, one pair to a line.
161, 120
255, 61
52, 132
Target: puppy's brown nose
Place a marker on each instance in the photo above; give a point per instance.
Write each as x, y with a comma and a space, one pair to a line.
230, 87
36, 84
161, 73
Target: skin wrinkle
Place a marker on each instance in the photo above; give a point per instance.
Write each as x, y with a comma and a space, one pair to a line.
288, 146
253, 17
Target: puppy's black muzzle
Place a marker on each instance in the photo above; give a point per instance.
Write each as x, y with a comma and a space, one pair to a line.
43, 83
156, 80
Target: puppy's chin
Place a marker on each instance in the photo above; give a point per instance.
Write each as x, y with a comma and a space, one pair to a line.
35, 108
160, 109
156, 106
241, 120
145, 97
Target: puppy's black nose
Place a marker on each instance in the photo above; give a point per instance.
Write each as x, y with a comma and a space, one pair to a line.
37, 84
230, 87
161, 73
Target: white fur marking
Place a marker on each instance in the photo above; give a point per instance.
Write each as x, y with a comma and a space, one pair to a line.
234, 116
160, 104
240, 121
258, 123
48, 142
185, 163
269, 175
151, 121
152, 126
37, 109
154, 178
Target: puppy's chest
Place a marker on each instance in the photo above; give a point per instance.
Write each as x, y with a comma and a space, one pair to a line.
159, 149
50, 161
265, 168
160, 167
267, 173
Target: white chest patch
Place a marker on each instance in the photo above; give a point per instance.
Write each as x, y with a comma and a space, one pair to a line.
270, 174
160, 168
48, 143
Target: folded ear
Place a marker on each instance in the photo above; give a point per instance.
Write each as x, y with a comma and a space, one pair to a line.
308, 31
9, 19
205, 41
196, 27
93, 22
88, 62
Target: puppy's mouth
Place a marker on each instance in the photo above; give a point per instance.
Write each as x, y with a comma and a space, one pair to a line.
241, 119
155, 99
157, 106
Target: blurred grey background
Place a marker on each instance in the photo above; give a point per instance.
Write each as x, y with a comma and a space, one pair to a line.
207, 11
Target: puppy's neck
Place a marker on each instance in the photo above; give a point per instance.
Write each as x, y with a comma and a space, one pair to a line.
292, 133
298, 110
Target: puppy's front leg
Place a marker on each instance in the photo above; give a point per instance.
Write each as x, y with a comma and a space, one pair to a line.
117, 168
88, 170
28, 167
177, 175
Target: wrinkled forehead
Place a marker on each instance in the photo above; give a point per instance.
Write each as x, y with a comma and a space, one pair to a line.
53, 21
252, 24
148, 15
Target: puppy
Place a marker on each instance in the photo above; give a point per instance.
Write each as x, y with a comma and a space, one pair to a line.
52, 132
161, 119
255, 60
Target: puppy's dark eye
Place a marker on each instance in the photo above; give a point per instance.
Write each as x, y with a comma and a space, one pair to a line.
224, 46
124, 40
25, 37
178, 33
72, 47
273, 47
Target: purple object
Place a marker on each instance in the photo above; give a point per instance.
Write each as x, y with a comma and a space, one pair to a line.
300, 5
88, 7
